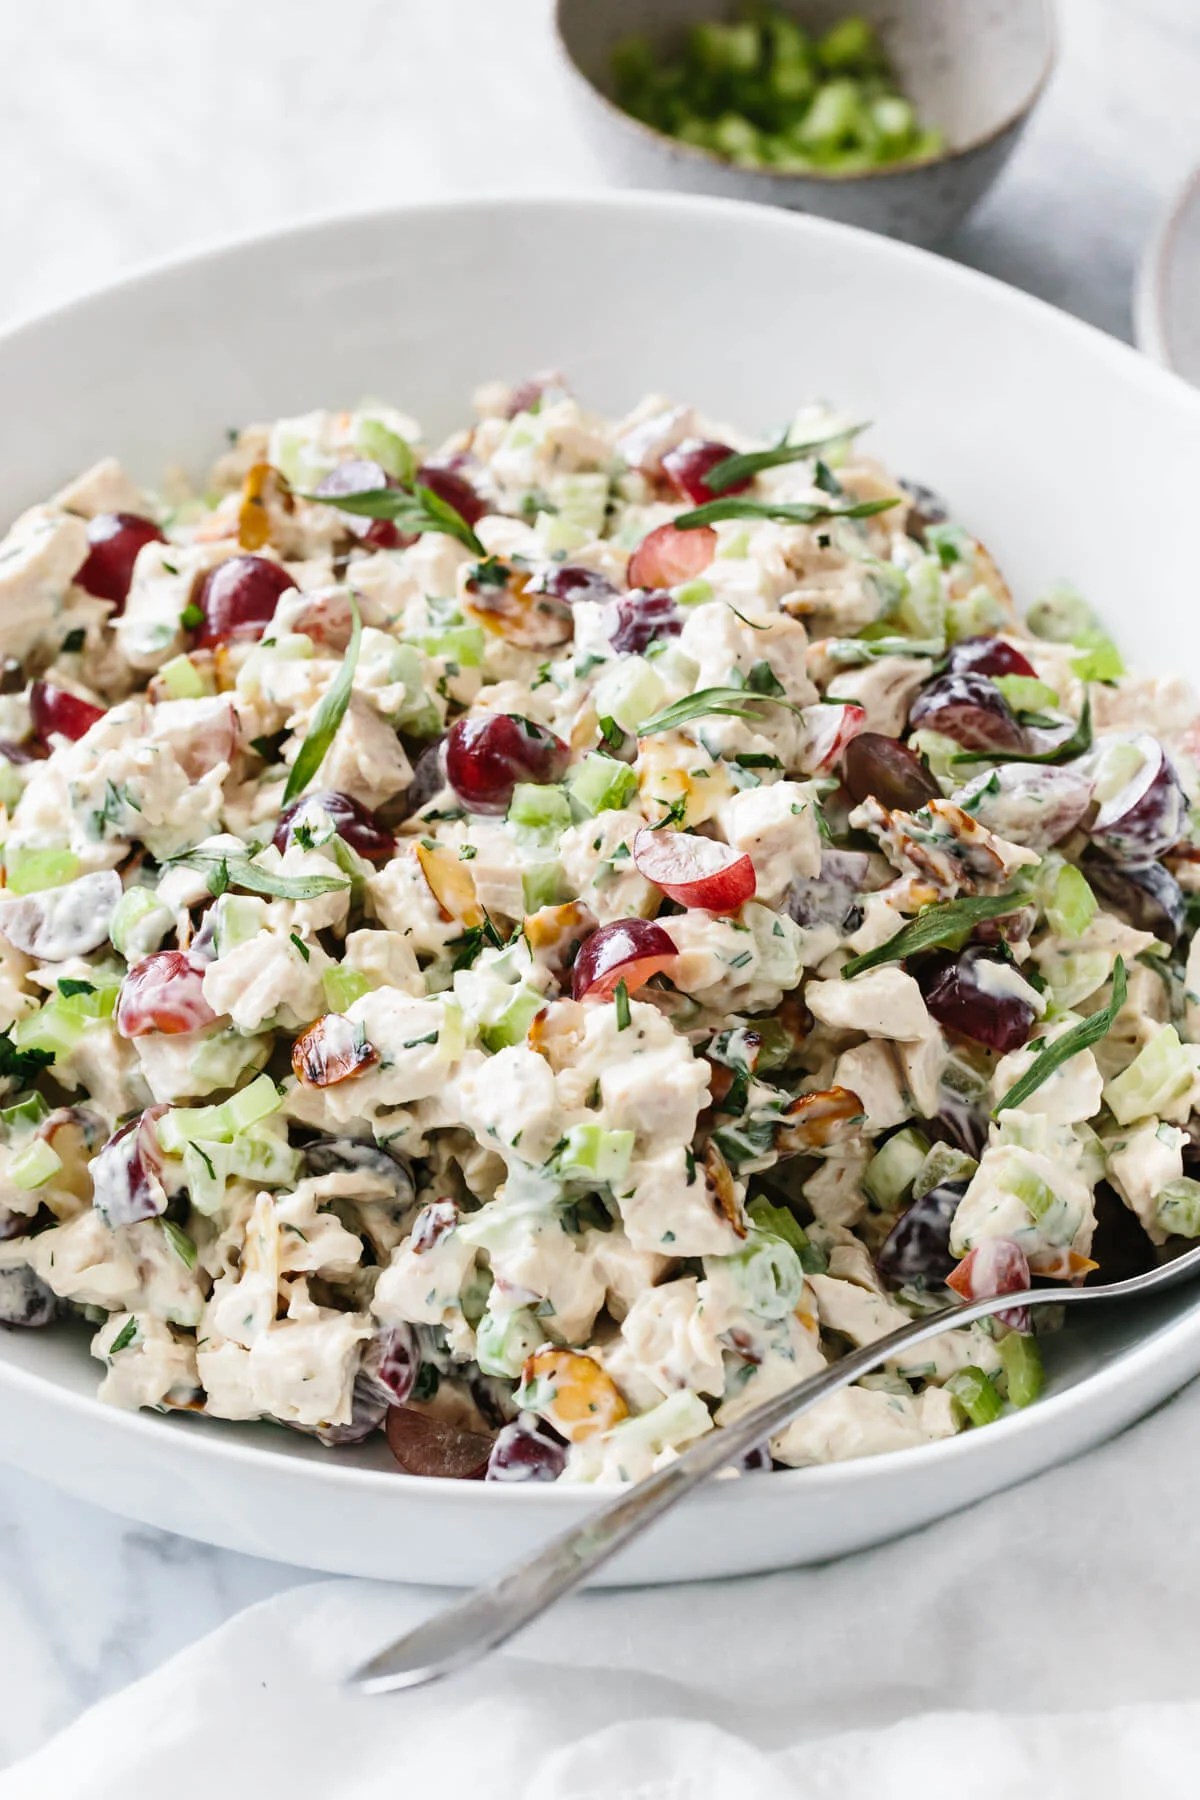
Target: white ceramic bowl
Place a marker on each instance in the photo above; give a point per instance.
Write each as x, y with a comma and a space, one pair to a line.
977, 70
1167, 297
1022, 417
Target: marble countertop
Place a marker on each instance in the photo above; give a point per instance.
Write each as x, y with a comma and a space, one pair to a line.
131, 132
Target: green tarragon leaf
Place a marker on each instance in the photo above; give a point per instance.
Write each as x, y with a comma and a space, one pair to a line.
328, 716
726, 702
784, 512
934, 927
1080, 1037
221, 872
417, 509
744, 465
1078, 744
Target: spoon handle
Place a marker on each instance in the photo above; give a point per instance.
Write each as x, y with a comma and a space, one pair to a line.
489, 1616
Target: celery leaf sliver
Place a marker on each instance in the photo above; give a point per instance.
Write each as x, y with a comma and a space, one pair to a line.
934, 927
328, 716
743, 465
1078, 744
797, 512
1080, 1037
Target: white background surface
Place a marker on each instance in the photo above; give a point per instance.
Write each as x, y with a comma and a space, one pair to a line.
132, 129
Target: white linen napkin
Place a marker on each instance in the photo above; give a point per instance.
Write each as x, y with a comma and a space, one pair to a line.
1046, 1641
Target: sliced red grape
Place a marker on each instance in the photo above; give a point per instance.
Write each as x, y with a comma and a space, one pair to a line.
1146, 893
424, 1444
489, 753
928, 508
331, 1051
164, 993
127, 1173
429, 778
987, 656
916, 1252
830, 729
330, 1155
325, 616
963, 994
1148, 814
114, 540
994, 1266
526, 1451
62, 922
969, 708
628, 950
361, 476
391, 1363
689, 465
454, 489
238, 599
57, 713
368, 1410
1037, 804
693, 870
834, 897
883, 767
354, 823
667, 557
432, 1224
640, 618
571, 582
25, 1299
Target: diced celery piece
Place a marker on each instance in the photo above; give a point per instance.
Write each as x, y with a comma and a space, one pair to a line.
592, 1153
344, 986
61, 1022
922, 603
1156, 1081
11, 785
944, 1163
218, 1124
461, 644
379, 443
1117, 766
601, 784
735, 545
542, 884
693, 593
891, 1172
977, 1394
1023, 1371
938, 751
894, 119
560, 536
503, 1341
262, 1153
17, 1120
1025, 693
1177, 1209
140, 922
34, 1165
1100, 661
769, 1274
239, 917
206, 1170
30, 871
1036, 1196
628, 691
513, 1023
1073, 977
1074, 905
978, 614
1064, 617
182, 679
581, 500
849, 44
540, 808
227, 1057
724, 49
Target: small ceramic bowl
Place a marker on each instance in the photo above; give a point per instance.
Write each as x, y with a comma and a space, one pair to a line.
975, 70
1167, 298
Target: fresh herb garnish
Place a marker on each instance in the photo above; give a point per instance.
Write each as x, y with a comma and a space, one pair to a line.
417, 510
743, 465
301, 946
1080, 1037
675, 814
124, 1337
328, 716
935, 926
490, 573
762, 679
22, 1065
467, 947
191, 617
621, 1002
726, 702
67, 987
180, 1243
74, 641
1078, 744
611, 734
795, 512
221, 872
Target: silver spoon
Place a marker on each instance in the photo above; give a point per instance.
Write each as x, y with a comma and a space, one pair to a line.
483, 1620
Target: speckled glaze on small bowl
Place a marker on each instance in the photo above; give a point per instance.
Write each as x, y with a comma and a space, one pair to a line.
976, 68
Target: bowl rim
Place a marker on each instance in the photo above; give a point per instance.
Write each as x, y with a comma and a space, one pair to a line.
1151, 320
167, 1435
711, 159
